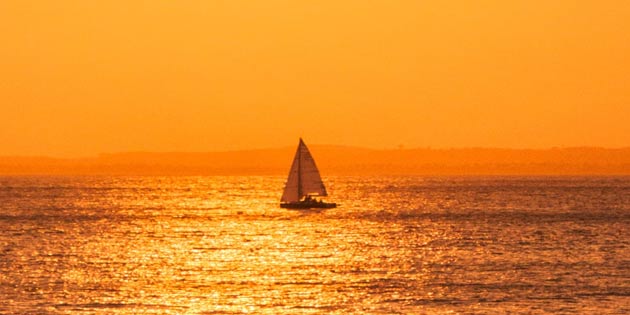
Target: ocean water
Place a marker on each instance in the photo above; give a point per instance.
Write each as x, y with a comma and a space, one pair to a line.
396, 245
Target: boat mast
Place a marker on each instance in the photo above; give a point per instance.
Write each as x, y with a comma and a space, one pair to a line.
299, 170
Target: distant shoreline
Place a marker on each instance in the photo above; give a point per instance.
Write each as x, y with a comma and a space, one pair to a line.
337, 160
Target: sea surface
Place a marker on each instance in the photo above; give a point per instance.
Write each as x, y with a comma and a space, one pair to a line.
395, 245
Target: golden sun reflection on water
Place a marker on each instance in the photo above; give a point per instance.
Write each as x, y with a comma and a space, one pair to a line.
199, 245
253, 264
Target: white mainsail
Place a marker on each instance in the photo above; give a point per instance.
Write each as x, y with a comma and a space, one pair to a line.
304, 178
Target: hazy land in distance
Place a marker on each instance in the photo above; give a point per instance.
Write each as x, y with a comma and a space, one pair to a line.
337, 160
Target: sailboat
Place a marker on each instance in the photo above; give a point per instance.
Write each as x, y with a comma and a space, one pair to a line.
304, 183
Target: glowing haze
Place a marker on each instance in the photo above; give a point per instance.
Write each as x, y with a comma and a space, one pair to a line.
82, 77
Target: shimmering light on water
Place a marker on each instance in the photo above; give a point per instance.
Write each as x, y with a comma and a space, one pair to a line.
212, 245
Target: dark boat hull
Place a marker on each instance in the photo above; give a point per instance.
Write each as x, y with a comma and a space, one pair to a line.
308, 205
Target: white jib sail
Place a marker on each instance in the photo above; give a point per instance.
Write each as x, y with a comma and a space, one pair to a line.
304, 178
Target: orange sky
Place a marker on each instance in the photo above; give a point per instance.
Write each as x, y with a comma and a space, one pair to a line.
83, 77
